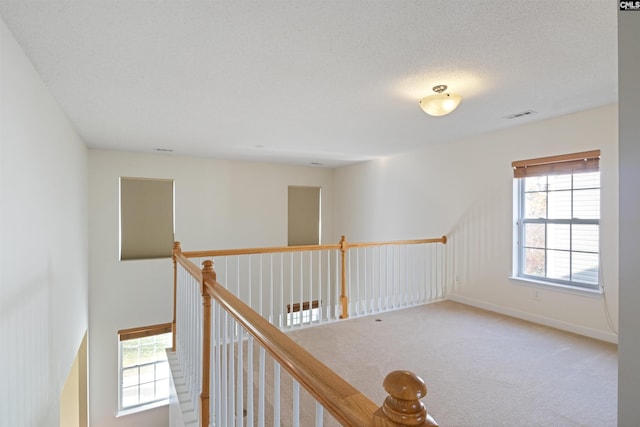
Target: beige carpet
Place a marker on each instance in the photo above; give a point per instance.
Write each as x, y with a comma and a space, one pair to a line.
481, 368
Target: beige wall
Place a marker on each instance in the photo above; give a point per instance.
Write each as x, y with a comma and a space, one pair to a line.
219, 204
464, 189
43, 245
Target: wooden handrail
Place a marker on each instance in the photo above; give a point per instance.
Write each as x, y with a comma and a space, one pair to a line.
189, 266
345, 403
265, 250
306, 248
442, 239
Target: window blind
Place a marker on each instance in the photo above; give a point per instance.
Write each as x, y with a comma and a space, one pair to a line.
144, 331
586, 161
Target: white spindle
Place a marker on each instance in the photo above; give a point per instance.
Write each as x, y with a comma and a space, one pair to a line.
328, 287
319, 414
357, 302
216, 365
227, 279
240, 379
296, 404
271, 288
260, 287
380, 269
250, 281
300, 287
290, 312
276, 394
338, 286
250, 381
261, 414
366, 283
238, 261
225, 370
231, 372
311, 293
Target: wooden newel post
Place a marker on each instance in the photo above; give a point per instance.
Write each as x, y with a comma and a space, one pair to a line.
176, 250
207, 274
343, 293
403, 406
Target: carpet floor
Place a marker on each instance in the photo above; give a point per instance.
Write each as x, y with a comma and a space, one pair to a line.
481, 368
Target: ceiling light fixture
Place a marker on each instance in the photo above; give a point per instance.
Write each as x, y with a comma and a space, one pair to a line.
441, 103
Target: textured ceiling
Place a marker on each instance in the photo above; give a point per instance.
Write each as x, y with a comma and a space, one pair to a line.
299, 82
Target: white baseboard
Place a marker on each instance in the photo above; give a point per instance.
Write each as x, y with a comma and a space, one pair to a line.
535, 318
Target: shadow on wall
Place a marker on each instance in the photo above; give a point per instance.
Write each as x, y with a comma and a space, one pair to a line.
27, 367
480, 242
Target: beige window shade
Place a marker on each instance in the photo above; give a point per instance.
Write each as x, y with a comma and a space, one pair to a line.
586, 161
304, 216
146, 218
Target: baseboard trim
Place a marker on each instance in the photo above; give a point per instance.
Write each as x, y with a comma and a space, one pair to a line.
535, 318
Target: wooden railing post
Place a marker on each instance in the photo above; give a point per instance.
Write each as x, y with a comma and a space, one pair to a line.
343, 293
207, 274
403, 407
176, 250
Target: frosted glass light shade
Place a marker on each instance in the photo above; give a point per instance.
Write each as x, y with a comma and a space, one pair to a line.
440, 104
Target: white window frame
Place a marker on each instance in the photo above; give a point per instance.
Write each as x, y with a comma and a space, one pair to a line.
304, 313
568, 165
137, 334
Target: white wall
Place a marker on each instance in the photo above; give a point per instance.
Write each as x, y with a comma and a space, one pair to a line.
44, 244
219, 204
629, 125
464, 189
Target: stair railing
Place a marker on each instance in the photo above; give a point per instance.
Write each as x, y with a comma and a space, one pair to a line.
297, 286
234, 343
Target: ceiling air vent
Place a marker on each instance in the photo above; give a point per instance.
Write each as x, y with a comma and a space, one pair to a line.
520, 114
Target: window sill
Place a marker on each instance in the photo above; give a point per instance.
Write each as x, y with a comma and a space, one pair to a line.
572, 290
141, 408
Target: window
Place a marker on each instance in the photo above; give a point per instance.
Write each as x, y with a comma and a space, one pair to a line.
558, 219
143, 368
146, 218
298, 314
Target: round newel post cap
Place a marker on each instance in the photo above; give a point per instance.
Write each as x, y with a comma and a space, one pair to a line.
403, 406
405, 385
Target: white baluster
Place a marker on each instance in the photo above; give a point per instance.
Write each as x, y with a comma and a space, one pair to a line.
271, 288
319, 414
259, 310
240, 379
300, 286
296, 404
276, 394
261, 414
224, 370
215, 368
250, 381
231, 372
311, 293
